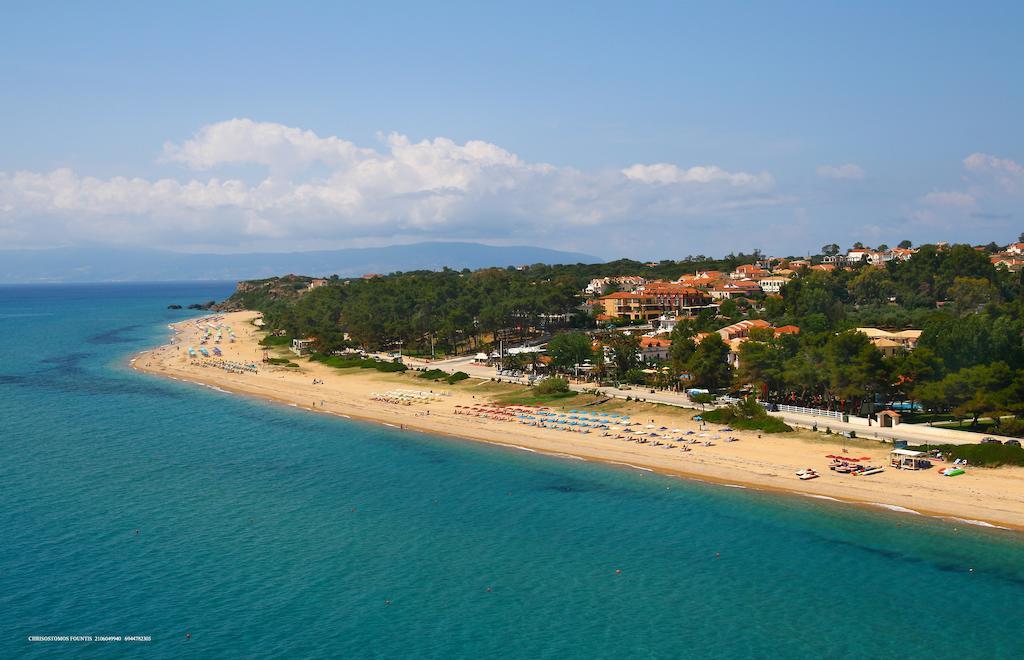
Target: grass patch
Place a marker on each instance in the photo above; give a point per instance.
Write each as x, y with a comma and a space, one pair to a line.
358, 363
271, 340
983, 426
925, 418
531, 398
982, 455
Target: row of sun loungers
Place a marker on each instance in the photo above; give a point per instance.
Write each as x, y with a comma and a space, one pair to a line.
575, 421
407, 397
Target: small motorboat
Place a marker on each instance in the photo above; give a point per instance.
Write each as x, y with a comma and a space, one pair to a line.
871, 469
807, 473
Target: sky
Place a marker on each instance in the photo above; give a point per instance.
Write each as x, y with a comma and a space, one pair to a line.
641, 129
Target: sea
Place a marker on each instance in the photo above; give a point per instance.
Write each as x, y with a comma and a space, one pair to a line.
148, 517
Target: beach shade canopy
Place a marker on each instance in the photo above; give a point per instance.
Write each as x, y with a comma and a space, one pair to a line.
698, 418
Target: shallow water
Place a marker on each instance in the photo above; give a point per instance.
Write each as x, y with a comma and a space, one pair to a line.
266, 531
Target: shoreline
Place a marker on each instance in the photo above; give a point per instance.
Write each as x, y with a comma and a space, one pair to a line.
736, 473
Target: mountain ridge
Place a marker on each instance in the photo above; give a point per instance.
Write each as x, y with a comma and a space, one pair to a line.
106, 264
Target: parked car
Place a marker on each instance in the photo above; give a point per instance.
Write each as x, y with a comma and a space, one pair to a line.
989, 440
1012, 443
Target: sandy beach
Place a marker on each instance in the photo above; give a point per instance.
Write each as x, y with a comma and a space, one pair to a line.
982, 496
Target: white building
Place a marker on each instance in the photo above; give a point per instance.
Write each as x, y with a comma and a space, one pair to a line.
772, 284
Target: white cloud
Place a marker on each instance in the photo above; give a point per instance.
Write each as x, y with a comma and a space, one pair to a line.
847, 171
993, 187
1007, 173
263, 143
329, 189
667, 173
951, 198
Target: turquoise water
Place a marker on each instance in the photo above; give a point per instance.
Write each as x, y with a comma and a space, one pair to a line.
269, 532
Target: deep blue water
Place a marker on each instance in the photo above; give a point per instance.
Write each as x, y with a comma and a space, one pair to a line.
269, 532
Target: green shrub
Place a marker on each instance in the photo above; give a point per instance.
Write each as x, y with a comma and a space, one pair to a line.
635, 376
747, 415
457, 376
982, 455
552, 386
271, 340
1014, 427
434, 374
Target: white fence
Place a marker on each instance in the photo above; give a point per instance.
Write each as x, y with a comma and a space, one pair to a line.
834, 414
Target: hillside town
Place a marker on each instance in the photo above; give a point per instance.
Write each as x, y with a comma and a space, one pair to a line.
932, 329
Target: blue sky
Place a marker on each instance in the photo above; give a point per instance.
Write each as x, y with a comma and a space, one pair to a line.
809, 122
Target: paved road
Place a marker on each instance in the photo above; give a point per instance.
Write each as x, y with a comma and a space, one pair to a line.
913, 433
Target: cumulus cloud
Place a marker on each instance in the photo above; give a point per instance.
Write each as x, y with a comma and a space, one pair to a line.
1007, 173
330, 189
847, 171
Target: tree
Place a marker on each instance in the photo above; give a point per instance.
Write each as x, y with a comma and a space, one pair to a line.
974, 391
625, 351
882, 247
968, 294
569, 349
703, 399
871, 286
830, 250
905, 244
858, 246
911, 368
708, 366
635, 376
856, 369
762, 363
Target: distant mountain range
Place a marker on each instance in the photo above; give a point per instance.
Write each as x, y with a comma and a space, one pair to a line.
104, 264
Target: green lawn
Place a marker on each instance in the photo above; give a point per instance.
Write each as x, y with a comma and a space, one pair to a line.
983, 426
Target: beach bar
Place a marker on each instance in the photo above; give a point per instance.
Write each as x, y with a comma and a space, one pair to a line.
908, 459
